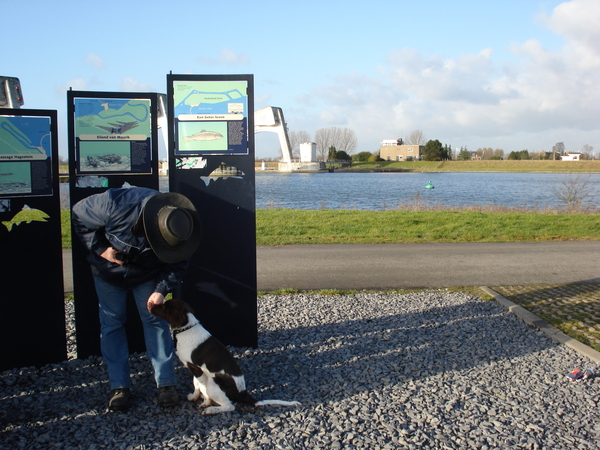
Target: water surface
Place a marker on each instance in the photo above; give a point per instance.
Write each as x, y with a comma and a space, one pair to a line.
381, 191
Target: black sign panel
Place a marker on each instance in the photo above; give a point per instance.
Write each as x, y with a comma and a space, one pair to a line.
211, 161
32, 323
112, 142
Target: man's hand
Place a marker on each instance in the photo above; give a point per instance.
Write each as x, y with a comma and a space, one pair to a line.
109, 255
155, 299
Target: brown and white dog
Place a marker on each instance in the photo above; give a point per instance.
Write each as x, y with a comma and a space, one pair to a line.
217, 375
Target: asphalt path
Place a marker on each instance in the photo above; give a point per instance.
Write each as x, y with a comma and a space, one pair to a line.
398, 266
403, 266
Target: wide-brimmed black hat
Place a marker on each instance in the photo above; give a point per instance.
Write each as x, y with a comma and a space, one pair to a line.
172, 226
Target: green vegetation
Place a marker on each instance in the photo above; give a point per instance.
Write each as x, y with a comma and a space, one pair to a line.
480, 166
65, 221
362, 156
285, 226
434, 151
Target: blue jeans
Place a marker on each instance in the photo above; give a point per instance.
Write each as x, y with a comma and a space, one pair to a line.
113, 340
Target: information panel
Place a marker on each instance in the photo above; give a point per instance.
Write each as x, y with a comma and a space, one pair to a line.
211, 117
25, 155
211, 161
113, 135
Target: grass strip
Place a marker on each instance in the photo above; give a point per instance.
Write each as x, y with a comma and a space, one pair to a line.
285, 227
296, 226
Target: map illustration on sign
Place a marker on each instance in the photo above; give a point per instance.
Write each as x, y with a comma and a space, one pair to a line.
113, 135
211, 117
25, 149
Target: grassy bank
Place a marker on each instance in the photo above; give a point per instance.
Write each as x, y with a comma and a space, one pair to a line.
288, 226
284, 227
480, 166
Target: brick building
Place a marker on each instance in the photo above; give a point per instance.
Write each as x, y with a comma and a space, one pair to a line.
396, 150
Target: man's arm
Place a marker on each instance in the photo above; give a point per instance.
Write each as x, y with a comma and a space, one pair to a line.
88, 216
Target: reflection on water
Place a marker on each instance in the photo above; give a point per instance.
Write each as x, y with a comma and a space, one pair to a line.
381, 191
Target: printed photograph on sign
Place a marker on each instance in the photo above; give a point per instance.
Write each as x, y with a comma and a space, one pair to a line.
15, 178
113, 135
25, 156
202, 136
211, 117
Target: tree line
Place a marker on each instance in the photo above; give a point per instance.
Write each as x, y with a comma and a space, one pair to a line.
336, 143
332, 143
558, 150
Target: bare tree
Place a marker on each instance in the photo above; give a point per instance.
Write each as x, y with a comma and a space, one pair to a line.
559, 148
487, 153
324, 140
416, 137
572, 190
296, 138
342, 139
588, 151
346, 141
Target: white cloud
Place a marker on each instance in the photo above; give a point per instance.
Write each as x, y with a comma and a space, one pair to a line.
476, 98
577, 21
132, 85
227, 56
95, 60
443, 79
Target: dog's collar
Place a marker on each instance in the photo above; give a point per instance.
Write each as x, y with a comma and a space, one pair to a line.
192, 322
176, 331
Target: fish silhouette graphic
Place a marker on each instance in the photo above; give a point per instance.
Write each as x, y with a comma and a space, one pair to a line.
204, 136
26, 215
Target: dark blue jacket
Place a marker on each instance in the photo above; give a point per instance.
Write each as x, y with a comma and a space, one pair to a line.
108, 220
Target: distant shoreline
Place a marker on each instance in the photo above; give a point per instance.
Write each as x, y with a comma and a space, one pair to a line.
528, 166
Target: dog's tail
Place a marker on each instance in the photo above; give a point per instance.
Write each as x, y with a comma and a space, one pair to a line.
246, 397
276, 403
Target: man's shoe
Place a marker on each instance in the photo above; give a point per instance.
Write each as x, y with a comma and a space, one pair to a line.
167, 396
119, 399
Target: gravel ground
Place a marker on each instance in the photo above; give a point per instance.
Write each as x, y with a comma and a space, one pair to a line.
423, 370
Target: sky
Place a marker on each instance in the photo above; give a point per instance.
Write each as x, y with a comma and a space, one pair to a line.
508, 74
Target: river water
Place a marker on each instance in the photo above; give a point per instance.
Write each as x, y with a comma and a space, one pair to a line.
384, 191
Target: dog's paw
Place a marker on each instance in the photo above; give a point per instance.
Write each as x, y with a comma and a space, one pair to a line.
217, 410
192, 397
211, 410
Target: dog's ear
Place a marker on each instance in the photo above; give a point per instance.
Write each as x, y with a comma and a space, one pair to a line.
159, 311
